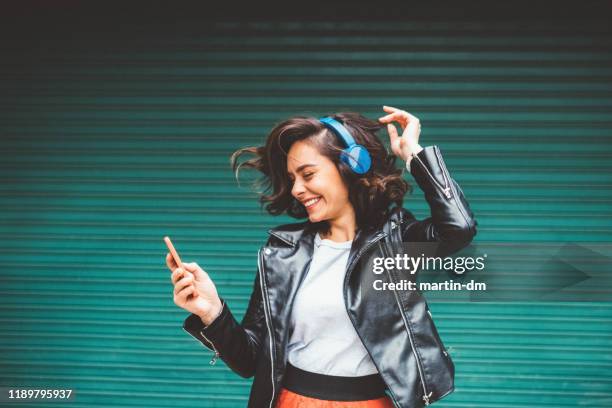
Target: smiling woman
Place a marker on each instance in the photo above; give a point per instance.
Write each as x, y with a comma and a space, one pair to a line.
305, 176
313, 335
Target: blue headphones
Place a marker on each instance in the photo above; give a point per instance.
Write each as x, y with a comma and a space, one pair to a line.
354, 155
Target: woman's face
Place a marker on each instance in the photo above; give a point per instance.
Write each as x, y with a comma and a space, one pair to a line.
317, 183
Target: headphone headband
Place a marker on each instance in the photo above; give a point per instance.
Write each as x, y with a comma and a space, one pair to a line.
339, 130
354, 155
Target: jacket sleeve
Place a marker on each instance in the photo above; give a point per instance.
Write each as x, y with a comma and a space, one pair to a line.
452, 223
237, 344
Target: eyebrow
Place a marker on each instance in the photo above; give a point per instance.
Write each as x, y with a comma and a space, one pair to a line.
303, 166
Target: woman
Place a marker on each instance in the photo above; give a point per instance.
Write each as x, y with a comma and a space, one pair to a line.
314, 333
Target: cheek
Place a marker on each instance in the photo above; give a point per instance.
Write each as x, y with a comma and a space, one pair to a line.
341, 196
336, 192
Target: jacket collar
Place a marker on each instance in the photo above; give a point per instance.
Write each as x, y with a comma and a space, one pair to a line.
292, 233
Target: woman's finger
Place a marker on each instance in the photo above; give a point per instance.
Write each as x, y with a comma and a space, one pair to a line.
400, 112
182, 283
170, 262
395, 117
178, 274
393, 136
390, 116
195, 269
390, 108
181, 296
400, 116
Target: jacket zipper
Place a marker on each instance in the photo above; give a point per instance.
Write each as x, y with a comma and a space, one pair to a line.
445, 189
345, 300
268, 320
426, 395
444, 175
447, 177
216, 356
213, 360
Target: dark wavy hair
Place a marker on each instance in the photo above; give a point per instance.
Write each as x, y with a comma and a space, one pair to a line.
372, 194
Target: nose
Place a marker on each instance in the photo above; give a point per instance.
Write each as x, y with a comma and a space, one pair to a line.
298, 189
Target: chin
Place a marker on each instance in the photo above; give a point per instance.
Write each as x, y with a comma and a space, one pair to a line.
316, 218
313, 219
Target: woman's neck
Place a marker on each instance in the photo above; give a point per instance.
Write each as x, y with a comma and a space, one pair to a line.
343, 228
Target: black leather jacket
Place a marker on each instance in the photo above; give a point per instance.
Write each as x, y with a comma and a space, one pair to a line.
395, 327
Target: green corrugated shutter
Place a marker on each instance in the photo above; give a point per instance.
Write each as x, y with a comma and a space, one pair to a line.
111, 144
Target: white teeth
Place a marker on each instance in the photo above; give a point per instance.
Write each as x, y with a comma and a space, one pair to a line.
312, 201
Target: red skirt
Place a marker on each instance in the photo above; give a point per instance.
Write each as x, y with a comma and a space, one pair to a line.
288, 399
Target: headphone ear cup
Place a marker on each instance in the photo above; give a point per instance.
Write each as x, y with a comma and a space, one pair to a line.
357, 158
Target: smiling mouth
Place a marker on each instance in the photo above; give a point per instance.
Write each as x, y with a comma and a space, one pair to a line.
311, 202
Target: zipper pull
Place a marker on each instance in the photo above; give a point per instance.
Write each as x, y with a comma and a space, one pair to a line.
447, 192
214, 359
216, 356
426, 398
446, 188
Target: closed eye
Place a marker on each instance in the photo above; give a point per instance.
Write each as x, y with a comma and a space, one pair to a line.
303, 169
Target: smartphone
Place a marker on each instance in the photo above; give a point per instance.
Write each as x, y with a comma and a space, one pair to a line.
173, 252
176, 257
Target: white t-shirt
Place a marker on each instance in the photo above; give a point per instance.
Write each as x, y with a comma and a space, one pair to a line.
323, 339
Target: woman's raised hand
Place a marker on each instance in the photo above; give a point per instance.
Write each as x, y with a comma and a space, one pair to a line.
408, 144
194, 291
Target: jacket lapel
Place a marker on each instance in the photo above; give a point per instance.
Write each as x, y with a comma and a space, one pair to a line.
284, 269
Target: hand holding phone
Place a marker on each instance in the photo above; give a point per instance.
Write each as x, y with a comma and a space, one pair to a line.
194, 291
176, 257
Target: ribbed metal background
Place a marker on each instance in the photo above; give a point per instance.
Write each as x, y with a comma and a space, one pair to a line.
109, 144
